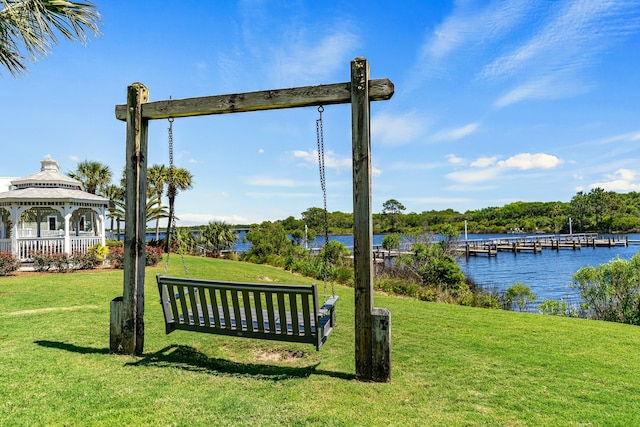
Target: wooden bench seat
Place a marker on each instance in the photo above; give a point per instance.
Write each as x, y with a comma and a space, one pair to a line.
275, 312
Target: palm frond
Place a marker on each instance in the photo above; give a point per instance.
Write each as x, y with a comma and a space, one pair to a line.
29, 28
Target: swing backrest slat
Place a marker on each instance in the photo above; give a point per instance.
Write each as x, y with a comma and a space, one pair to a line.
276, 312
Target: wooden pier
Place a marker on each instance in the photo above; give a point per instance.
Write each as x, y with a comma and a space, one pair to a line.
536, 243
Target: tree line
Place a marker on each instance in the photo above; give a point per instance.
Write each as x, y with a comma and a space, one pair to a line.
596, 211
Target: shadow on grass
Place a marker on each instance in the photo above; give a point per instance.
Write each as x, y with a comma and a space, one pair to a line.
188, 358
72, 347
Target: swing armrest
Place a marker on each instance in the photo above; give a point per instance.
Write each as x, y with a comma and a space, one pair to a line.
328, 305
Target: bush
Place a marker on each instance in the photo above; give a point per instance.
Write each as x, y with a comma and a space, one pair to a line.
8, 263
99, 251
41, 261
61, 262
611, 291
115, 257
557, 308
153, 255
519, 295
85, 261
114, 244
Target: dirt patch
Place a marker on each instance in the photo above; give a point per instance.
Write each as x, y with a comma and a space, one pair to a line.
50, 309
265, 279
280, 356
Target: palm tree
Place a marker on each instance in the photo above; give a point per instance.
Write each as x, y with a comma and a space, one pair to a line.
218, 236
29, 28
184, 238
157, 176
92, 175
179, 179
152, 213
113, 193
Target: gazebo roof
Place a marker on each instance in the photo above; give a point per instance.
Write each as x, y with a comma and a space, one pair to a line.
49, 184
48, 177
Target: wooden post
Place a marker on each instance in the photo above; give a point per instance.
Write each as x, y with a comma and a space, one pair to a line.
381, 331
127, 312
363, 233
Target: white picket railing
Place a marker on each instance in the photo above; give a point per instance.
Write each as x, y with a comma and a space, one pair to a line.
49, 246
5, 245
82, 244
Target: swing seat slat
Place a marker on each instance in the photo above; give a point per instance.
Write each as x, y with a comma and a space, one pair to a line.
289, 313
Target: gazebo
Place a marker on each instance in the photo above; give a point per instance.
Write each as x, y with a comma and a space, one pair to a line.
50, 212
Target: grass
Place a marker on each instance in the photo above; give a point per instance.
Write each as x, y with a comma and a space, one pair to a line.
452, 365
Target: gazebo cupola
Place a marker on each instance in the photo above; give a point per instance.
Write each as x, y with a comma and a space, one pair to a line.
50, 212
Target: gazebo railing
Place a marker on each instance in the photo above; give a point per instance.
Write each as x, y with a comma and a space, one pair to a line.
47, 246
83, 243
5, 245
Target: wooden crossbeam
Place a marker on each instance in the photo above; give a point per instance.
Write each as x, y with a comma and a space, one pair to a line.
306, 96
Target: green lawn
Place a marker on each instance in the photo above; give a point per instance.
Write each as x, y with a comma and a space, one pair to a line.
452, 365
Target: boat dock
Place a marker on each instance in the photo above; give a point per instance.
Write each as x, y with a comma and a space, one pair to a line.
536, 243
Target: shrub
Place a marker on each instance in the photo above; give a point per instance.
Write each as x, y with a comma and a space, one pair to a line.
557, 308
115, 257
153, 255
99, 251
114, 244
41, 261
611, 291
519, 295
8, 263
61, 262
85, 261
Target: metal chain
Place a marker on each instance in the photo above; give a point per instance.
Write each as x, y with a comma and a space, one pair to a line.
172, 226
323, 185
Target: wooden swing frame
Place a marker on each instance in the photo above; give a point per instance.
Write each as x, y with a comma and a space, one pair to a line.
372, 325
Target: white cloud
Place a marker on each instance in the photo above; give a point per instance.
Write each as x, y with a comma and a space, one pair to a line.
483, 162
622, 180
625, 137
571, 38
399, 129
278, 195
468, 25
489, 168
455, 160
266, 181
307, 59
525, 161
186, 219
458, 133
474, 175
331, 161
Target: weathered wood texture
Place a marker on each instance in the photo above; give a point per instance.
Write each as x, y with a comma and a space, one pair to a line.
115, 325
337, 93
381, 334
273, 312
132, 309
362, 217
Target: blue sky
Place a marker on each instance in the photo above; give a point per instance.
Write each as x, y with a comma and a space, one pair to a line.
496, 101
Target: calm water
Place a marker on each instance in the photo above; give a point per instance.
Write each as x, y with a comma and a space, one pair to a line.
548, 274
